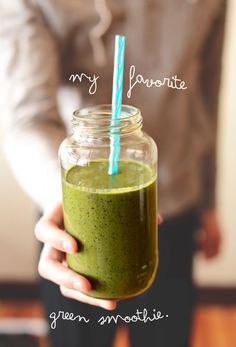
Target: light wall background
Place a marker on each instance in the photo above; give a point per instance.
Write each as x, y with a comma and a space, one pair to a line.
17, 218
221, 272
18, 248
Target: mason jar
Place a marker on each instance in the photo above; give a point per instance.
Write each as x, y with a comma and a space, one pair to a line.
113, 217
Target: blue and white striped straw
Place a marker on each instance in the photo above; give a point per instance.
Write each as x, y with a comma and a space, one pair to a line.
118, 73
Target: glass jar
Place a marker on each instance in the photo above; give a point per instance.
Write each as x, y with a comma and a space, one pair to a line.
113, 217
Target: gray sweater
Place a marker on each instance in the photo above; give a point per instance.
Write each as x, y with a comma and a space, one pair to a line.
43, 42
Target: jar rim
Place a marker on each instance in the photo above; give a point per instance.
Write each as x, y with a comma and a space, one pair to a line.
104, 111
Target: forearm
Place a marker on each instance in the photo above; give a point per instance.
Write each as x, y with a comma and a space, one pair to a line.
29, 81
32, 153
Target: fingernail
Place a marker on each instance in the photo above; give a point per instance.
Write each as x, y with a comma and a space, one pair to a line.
67, 246
82, 287
109, 306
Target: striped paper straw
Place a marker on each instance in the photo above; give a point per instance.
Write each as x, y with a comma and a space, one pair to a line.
118, 73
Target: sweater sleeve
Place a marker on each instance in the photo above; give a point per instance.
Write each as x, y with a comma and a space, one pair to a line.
29, 79
211, 78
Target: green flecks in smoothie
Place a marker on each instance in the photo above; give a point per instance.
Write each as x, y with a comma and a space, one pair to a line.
114, 220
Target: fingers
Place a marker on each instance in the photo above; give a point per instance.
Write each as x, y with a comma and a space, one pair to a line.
76, 295
210, 239
48, 230
51, 267
72, 285
211, 247
206, 249
209, 243
159, 219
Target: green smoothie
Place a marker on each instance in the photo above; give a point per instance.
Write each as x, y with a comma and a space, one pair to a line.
114, 220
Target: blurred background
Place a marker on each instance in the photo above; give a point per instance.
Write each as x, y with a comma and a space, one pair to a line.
215, 316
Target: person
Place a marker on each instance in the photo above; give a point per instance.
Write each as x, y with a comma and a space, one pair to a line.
42, 43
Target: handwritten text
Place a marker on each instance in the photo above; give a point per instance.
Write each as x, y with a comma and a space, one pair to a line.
140, 316
173, 82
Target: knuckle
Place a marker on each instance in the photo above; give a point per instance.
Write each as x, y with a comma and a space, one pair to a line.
42, 268
68, 279
64, 292
38, 229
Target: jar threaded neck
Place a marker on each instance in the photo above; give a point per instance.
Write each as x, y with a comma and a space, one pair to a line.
97, 122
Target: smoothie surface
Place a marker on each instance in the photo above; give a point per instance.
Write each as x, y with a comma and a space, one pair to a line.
132, 175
